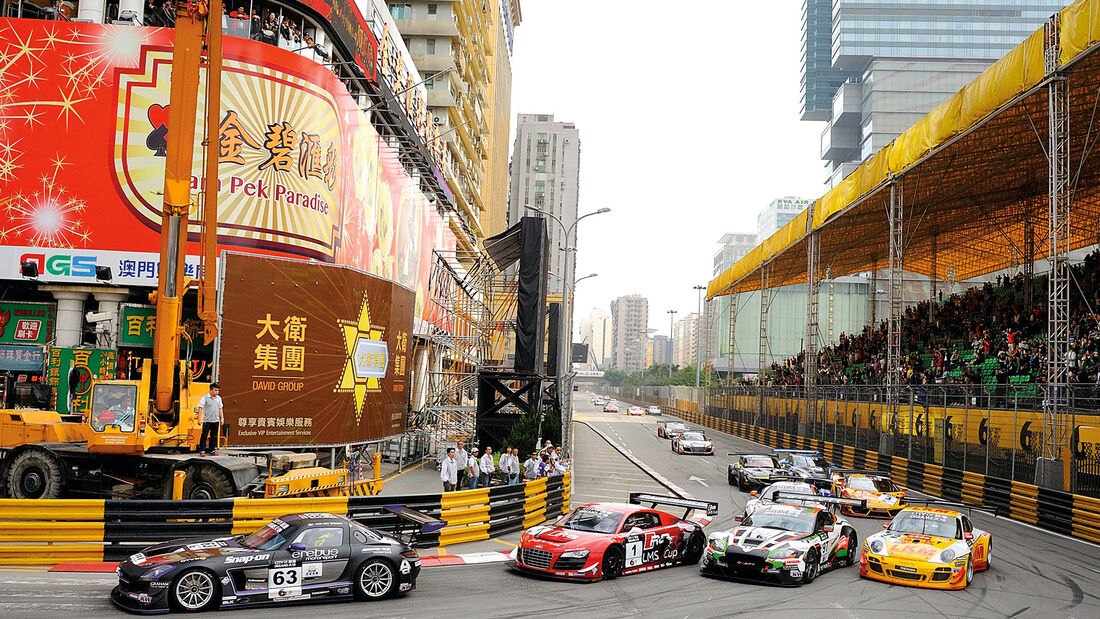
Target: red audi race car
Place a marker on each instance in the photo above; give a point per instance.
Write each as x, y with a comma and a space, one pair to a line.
605, 540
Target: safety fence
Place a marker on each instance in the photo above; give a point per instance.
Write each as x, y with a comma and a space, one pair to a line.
45, 532
1053, 510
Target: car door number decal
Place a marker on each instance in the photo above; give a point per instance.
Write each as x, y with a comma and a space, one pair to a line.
284, 583
634, 554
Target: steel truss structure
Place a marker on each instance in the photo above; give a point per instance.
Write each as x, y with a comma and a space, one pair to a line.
471, 312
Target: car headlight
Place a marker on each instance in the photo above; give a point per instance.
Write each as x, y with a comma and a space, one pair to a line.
157, 572
878, 547
784, 553
947, 556
574, 554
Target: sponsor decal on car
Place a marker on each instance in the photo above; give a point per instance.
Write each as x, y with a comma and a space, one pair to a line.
405, 586
138, 559
246, 559
311, 570
405, 567
211, 545
315, 553
285, 583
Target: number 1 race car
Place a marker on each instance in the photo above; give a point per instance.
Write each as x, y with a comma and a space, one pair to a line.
884, 498
604, 540
783, 543
300, 557
927, 547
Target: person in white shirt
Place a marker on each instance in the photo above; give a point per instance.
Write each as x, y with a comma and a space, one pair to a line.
555, 455
472, 468
487, 467
461, 458
531, 468
448, 471
509, 464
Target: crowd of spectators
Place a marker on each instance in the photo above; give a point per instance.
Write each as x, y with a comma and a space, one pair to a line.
460, 469
985, 335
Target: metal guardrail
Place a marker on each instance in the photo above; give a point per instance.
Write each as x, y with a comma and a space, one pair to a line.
45, 532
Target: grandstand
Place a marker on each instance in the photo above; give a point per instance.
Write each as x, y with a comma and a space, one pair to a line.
991, 179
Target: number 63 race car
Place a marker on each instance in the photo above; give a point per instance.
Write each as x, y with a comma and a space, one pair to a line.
300, 557
605, 540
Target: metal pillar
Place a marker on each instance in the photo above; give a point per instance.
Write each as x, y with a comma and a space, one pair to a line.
708, 335
893, 352
762, 359
732, 337
1056, 415
831, 305
932, 282
809, 348
1029, 263
872, 299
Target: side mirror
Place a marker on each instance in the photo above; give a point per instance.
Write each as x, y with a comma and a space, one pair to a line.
738, 518
635, 531
886, 525
968, 536
297, 546
827, 528
753, 493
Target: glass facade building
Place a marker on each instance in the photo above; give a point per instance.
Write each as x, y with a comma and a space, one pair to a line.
872, 68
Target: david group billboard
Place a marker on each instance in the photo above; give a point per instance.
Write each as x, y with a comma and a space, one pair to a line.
312, 354
302, 172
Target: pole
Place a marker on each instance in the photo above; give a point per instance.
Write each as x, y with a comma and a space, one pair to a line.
698, 317
671, 315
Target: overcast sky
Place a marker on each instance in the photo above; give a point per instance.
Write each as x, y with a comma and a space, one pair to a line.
688, 116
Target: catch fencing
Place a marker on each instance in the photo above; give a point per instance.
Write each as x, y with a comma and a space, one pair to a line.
46, 532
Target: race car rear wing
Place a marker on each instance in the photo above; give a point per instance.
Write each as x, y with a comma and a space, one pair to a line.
885, 474
824, 500
641, 498
749, 453
816, 482
969, 509
411, 524
813, 452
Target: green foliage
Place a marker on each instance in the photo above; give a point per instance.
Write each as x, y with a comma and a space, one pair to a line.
525, 431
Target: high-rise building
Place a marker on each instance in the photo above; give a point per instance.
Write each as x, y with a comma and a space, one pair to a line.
629, 326
777, 214
871, 68
685, 340
731, 248
596, 332
472, 37
658, 350
545, 173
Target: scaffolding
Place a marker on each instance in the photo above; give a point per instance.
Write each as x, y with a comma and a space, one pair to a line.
471, 315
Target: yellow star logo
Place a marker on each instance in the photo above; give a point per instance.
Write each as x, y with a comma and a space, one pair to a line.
367, 358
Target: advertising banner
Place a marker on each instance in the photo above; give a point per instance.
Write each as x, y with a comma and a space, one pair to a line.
302, 172
22, 358
312, 354
138, 324
27, 323
84, 364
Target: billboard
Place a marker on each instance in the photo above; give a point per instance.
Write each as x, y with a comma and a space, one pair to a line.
312, 354
302, 172
27, 323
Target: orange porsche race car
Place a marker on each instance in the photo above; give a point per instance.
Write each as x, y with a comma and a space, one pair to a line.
884, 498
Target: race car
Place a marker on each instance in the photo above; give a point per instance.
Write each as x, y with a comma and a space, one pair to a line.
751, 471
599, 400
692, 442
606, 540
768, 496
299, 557
611, 407
927, 546
635, 411
804, 463
670, 429
783, 543
653, 410
884, 497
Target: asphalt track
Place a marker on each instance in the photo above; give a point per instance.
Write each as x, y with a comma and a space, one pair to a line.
1034, 574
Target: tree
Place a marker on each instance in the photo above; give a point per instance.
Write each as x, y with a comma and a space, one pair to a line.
526, 431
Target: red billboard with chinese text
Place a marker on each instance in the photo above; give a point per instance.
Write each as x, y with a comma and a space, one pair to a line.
312, 354
302, 172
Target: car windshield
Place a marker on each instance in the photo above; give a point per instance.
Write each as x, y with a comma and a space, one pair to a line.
872, 484
266, 537
693, 436
803, 522
759, 462
592, 519
926, 523
809, 462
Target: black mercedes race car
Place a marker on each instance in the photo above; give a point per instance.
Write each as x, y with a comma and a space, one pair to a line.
294, 558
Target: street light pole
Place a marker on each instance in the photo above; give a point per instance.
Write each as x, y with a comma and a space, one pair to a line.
671, 315
698, 317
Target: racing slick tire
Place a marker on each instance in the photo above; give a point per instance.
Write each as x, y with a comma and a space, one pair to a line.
375, 580
613, 562
730, 479
741, 485
853, 544
989, 555
194, 591
34, 474
969, 569
693, 550
813, 565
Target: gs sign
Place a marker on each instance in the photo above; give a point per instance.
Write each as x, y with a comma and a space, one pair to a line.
61, 264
